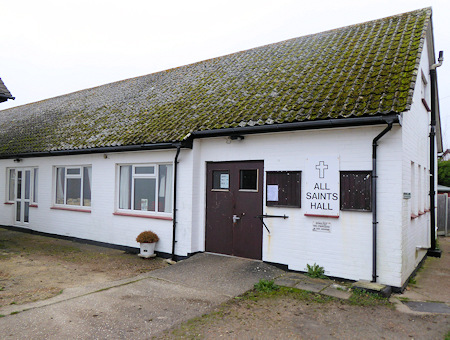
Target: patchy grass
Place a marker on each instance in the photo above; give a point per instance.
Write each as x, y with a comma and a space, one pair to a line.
244, 308
363, 298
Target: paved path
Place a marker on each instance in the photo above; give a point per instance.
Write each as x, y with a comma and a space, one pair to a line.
431, 292
139, 307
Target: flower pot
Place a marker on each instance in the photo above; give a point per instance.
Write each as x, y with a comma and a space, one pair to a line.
147, 250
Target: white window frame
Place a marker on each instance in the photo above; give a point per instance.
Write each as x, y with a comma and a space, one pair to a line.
33, 193
424, 87
71, 176
134, 176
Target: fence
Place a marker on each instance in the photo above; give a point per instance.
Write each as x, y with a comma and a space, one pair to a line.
443, 215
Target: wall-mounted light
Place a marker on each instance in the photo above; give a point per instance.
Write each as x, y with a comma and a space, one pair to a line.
105, 156
237, 137
17, 160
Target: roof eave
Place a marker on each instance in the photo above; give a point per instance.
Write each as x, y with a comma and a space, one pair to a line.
304, 125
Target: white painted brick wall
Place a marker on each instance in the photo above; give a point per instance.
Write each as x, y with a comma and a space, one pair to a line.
347, 250
101, 225
415, 140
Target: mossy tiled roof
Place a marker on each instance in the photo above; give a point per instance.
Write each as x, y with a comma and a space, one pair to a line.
361, 70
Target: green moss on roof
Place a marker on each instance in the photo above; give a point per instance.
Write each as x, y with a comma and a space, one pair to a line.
361, 70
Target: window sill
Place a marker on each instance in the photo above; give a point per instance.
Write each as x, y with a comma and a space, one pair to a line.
427, 210
421, 213
72, 209
413, 216
33, 205
9, 203
167, 218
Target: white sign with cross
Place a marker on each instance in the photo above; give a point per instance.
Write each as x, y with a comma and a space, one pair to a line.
321, 194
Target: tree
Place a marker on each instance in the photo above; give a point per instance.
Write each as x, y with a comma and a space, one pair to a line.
444, 173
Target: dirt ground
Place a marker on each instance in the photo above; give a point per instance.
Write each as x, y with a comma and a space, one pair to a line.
34, 267
292, 316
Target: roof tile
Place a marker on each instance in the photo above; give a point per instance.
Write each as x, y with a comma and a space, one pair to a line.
360, 70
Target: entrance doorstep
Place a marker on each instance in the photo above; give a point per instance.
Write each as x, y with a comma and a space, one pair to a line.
373, 287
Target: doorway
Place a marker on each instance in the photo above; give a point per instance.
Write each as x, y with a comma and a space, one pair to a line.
234, 199
22, 195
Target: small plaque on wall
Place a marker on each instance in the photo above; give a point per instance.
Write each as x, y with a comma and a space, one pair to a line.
322, 226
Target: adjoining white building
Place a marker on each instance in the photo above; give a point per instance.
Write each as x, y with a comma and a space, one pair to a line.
310, 150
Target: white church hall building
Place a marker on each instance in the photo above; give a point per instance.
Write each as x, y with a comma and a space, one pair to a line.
319, 149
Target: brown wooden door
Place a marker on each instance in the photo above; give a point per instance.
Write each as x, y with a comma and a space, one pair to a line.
234, 199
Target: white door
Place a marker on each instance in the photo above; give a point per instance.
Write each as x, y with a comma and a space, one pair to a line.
23, 196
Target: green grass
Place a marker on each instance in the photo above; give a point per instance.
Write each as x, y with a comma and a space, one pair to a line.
294, 293
363, 298
192, 329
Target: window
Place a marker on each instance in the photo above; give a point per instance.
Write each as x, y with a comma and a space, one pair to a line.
356, 190
427, 188
420, 189
73, 186
413, 200
12, 184
221, 180
424, 92
424, 88
30, 180
248, 180
145, 187
35, 185
283, 189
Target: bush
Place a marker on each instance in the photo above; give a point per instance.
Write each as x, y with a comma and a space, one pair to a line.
444, 173
316, 271
265, 286
147, 237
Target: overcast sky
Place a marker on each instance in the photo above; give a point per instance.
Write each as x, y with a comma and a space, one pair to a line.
49, 48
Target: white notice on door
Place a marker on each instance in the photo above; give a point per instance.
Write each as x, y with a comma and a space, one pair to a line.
224, 181
272, 193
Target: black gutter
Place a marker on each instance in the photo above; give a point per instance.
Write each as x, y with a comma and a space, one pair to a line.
175, 170
305, 125
106, 149
433, 79
374, 197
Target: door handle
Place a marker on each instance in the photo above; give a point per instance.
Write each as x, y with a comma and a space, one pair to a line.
235, 219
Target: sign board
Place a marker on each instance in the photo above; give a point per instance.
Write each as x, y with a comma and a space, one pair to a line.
322, 226
322, 186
